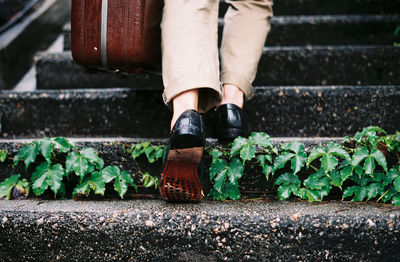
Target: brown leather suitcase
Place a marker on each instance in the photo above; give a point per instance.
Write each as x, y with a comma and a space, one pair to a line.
117, 34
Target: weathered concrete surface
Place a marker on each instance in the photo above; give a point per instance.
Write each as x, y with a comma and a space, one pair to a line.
153, 230
329, 65
35, 32
319, 7
111, 150
59, 70
318, 65
318, 30
280, 111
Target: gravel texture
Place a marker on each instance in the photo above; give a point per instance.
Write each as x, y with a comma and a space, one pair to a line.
143, 230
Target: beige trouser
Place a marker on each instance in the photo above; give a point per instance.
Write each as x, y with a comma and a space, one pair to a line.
190, 47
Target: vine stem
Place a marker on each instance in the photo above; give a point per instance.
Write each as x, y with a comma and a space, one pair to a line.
137, 164
313, 167
382, 195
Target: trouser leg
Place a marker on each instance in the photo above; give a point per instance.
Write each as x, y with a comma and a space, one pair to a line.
246, 25
190, 50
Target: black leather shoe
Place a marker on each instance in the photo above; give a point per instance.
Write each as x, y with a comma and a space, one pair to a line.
188, 131
182, 161
231, 122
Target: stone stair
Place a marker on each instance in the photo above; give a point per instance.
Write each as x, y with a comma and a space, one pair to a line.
329, 69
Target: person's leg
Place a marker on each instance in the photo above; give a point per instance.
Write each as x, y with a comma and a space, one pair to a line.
191, 81
246, 25
190, 55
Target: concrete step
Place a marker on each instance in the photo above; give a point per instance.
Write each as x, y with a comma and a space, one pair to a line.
34, 32
329, 65
319, 7
111, 150
318, 30
326, 65
151, 230
288, 111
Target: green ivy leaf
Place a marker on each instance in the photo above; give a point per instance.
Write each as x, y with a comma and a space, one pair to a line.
231, 191
215, 154
7, 185
267, 170
284, 191
379, 158
374, 190
359, 171
328, 162
46, 147
122, 179
79, 164
360, 193
346, 172
396, 184
219, 180
369, 166
391, 175
359, 155
216, 167
282, 159
261, 159
316, 153
92, 157
39, 171
348, 192
287, 178
3, 155
261, 139
235, 171
337, 150
390, 193
237, 145
317, 182
62, 144
82, 189
97, 183
247, 152
149, 181
136, 150
298, 161
52, 178
338, 177
396, 200
28, 153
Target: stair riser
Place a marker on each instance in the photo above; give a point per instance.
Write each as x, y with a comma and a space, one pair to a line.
155, 231
319, 30
279, 111
312, 7
356, 65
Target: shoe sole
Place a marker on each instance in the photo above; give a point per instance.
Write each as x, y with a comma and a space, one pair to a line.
179, 179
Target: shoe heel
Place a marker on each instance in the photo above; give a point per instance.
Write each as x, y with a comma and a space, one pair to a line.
191, 155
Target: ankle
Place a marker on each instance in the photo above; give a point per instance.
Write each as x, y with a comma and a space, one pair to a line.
232, 95
182, 102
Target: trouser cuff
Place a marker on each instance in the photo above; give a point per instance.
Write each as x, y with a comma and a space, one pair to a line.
210, 92
230, 77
